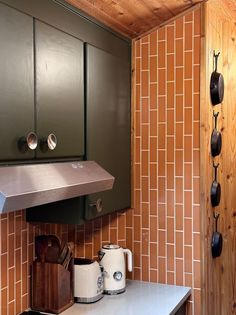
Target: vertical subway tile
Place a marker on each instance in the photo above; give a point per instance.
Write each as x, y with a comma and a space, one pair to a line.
179, 214
4, 301
137, 254
162, 270
188, 204
170, 39
153, 229
162, 217
170, 67
3, 270
179, 27
162, 243
153, 43
3, 236
144, 111
170, 203
153, 96
179, 272
188, 36
153, 149
179, 81
18, 298
145, 268
145, 82
153, 275
153, 124
170, 230
153, 176
188, 259
187, 148
170, 149
153, 69
188, 176
179, 108
197, 50
179, 55
138, 48
170, 123
162, 81
170, 95
170, 176
179, 163
161, 109
161, 189
144, 56
197, 22
170, 257
179, 244
179, 135
188, 62
153, 201
161, 55
137, 228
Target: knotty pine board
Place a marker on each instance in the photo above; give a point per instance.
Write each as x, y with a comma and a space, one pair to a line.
219, 275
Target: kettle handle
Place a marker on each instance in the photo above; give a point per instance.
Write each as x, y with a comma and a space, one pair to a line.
130, 259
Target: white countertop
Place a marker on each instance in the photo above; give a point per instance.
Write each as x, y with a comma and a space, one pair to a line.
140, 298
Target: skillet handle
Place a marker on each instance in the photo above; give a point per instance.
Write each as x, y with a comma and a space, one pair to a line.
216, 217
215, 115
216, 56
215, 167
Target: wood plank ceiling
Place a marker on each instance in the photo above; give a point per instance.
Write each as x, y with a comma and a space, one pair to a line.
132, 17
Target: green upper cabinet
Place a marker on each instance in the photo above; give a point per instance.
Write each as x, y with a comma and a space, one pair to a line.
59, 93
41, 89
16, 84
108, 127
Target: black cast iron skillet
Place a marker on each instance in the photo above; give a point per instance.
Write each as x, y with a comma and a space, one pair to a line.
215, 189
217, 240
216, 84
216, 138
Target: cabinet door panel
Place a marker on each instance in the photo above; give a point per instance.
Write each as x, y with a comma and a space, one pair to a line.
108, 126
59, 91
16, 83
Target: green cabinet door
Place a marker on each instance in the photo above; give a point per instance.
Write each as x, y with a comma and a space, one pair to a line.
16, 84
59, 92
108, 127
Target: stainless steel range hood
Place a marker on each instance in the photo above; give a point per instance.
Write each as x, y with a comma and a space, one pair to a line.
25, 186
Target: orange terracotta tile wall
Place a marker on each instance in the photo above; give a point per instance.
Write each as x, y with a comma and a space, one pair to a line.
163, 229
17, 250
166, 219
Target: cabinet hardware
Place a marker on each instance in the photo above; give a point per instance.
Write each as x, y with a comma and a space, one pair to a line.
28, 142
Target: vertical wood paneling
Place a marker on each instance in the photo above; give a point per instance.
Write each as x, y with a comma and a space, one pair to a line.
219, 274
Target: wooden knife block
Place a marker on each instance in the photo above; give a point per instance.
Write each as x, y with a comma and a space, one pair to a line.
51, 287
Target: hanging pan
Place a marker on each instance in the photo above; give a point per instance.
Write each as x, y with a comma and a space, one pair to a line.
216, 139
217, 240
216, 84
215, 189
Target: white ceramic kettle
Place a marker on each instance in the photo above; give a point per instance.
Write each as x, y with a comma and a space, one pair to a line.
112, 259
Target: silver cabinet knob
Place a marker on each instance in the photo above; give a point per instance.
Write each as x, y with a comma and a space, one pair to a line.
48, 143
97, 205
52, 141
32, 140
28, 142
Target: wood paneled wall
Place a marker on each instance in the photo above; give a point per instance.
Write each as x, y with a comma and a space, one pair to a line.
219, 275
